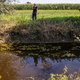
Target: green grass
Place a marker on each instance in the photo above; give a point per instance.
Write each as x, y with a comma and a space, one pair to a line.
24, 15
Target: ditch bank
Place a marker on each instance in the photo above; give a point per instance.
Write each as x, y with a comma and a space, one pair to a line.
42, 31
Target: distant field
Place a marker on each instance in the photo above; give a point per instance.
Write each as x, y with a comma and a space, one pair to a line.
45, 6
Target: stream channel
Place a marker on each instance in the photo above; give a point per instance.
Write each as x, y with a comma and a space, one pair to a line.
40, 63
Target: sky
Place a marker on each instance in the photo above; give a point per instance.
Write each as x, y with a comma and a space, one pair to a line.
49, 1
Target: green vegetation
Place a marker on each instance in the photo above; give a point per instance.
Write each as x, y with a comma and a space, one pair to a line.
5, 9
57, 15
46, 6
51, 25
48, 16
74, 76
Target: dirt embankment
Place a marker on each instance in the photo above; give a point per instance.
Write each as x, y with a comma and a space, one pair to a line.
42, 32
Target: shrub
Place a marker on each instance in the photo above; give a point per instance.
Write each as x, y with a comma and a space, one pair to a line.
5, 9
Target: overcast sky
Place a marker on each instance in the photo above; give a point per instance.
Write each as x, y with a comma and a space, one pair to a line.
50, 1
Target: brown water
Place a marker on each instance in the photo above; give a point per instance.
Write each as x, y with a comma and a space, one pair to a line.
14, 67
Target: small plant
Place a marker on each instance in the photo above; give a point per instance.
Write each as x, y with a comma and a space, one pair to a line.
59, 76
64, 77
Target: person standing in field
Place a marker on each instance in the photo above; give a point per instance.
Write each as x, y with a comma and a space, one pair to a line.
68, 8
63, 7
35, 10
56, 8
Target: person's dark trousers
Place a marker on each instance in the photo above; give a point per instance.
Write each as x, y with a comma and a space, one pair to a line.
34, 16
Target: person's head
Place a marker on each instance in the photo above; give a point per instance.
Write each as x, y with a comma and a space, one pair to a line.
34, 4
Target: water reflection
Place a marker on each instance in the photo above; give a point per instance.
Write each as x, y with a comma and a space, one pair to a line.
44, 63
55, 57
14, 67
54, 62
8, 66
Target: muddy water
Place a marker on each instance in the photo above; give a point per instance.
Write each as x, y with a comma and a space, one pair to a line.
13, 67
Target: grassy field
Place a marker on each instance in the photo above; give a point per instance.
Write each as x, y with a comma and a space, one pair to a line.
64, 23
21, 16
24, 15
